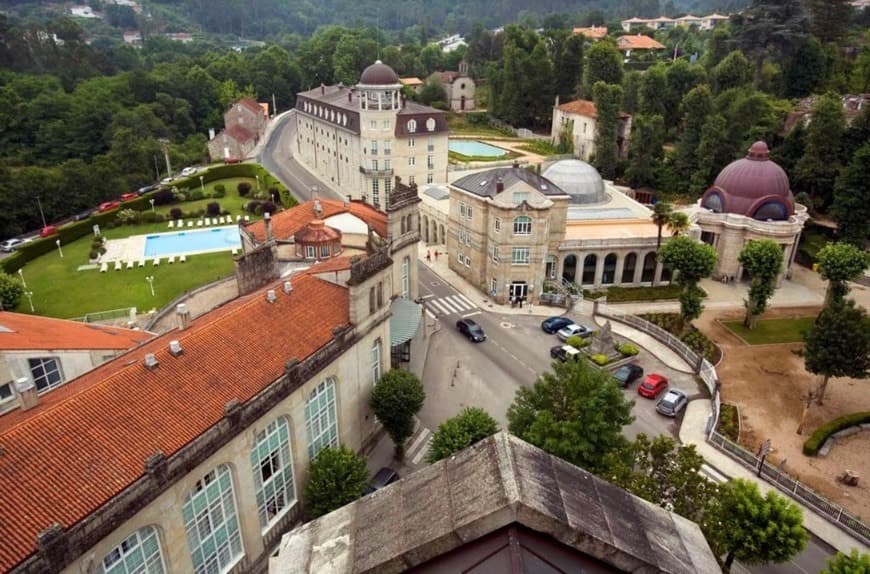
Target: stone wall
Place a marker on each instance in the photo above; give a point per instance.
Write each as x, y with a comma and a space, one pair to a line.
256, 268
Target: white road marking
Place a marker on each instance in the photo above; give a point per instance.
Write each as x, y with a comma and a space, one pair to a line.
431, 314
430, 295
419, 456
438, 304
464, 298
420, 438
461, 303
472, 314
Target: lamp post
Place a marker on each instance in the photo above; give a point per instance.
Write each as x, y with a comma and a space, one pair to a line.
165, 144
258, 182
201, 185
150, 280
58, 248
151, 201
41, 214
21, 274
29, 295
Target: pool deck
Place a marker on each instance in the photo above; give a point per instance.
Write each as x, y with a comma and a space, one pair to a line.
133, 248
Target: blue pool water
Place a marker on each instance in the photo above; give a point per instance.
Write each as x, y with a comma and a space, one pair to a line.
471, 147
193, 241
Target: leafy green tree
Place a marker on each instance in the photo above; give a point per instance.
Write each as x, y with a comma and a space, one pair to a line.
432, 91
851, 206
664, 473
574, 412
471, 425
840, 263
607, 98
396, 398
539, 86
734, 71
752, 528
646, 152
569, 69
631, 92
829, 18
11, 291
690, 261
678, 222
717, 47
603, 64
337, 476
806, 71
838, 344
770, 29
817, 169
762, 258
653, 88
696, 106
661, 214
853, 563
681, 77
712, 154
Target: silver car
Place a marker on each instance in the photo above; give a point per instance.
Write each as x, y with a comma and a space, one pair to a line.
672, 403
574, 329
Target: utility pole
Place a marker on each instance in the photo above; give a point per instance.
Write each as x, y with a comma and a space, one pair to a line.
41, 214
274, 107
165, 144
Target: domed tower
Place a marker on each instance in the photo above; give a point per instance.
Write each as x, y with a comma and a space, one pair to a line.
379, 88
317, 241
750, 199
380, 101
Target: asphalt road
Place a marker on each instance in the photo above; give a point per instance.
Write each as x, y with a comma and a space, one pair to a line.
277, 157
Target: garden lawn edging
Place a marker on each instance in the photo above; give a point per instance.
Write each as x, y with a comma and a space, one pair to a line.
817, 440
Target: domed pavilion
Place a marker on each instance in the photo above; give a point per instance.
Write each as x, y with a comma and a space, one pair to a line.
750, 199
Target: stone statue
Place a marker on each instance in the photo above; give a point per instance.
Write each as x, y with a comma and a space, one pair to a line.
603, 342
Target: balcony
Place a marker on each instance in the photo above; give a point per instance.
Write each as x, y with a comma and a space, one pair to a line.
381, 172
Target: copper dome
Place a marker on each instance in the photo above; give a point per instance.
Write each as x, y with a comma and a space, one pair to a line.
317, 232
379, 74
753, 186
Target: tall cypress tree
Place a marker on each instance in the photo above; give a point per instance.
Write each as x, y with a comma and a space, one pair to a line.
817, 169
697, 105
607, 98
829, 19
603, 64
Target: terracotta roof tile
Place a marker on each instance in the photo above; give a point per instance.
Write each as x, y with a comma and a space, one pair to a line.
638, 42
19, 332
287, 223
584, 108
251, 104
89, 440
239, 133
412, 81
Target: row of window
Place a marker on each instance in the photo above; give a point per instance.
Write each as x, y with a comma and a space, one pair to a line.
326, 113
519, 255
46, 374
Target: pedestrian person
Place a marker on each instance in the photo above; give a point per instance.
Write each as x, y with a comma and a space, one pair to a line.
521, 302
436, 255
428, 256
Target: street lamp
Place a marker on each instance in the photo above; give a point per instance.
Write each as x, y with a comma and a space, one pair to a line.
29, 295
258, 182
151, 201
21, 274
164, 143
201, 185
41, 214
150, 280
58, 248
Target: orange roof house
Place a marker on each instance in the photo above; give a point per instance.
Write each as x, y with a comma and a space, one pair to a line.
412, 82
638, 42
593, 32
584, 108
285, 224
22, 332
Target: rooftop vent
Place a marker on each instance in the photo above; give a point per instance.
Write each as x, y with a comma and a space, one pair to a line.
271, 297
183, 316
544, 187
151, 361
482, 183
288, 286
175, 348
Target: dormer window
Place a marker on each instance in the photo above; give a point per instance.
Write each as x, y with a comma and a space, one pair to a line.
430, 124
521, 196
412, 126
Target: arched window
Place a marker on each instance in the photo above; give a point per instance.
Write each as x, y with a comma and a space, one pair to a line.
649, 267
406, 283
628, 267
771, 210
139, 553
412, 126
713, 202
589, 265
376, 361
569, 268
609, 274
321, 422
211, 523
522, 225
272, 464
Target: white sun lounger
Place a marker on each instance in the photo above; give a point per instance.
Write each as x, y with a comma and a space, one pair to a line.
199, 223
208, 221
141, 263
182, 258
171, 224
171, 260
190, 224
179, 223
130, 264
247, 218
156, 261
117, 265
238, 218
104, 267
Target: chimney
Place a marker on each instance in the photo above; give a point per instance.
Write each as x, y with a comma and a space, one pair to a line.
183, 316
499, 186
516, 164
318, 209
322, 89
346, 200
271, 297
350, 97
557, 101
151, 361
267, 221
175, 348
27, 396
288, 286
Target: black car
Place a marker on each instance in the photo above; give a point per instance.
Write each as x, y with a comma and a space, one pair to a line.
553, 324
564, 353
82, 216
627, 374
383, 477
148, 188
472, 330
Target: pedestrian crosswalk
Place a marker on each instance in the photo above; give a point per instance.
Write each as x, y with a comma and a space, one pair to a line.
449, 305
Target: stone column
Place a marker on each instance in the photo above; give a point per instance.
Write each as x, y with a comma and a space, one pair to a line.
638, 267
620, 265
658, 276
599, 270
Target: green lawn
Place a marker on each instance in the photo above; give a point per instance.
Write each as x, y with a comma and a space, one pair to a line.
772, 330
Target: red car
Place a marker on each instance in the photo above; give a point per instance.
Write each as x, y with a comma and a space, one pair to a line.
129, 196
229, 160
48, 230
108, 206
652, 385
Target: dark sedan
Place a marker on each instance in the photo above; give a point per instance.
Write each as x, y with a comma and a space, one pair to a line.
384, 477
627, 374
472, 330
553, 324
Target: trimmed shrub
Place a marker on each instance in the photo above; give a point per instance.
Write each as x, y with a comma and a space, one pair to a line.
11, 290
729, 422
176, 213
220, 188
213, 209
244, 188
268, 207
821, 434
180, 197
627, 349
252, 206
576, 341
163, 196
196, 195
94, 254
599, 359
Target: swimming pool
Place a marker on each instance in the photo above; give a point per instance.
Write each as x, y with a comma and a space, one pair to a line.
193, 241
472, 148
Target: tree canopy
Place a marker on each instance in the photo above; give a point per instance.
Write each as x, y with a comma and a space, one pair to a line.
838, 344
762, 258
457, 433
337, 476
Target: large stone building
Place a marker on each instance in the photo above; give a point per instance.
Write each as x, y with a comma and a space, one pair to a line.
459, 88
750, 199
244, 122
578, 118
359, 138
513, 233
188, 453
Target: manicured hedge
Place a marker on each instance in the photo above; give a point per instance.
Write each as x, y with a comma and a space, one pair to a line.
821, 434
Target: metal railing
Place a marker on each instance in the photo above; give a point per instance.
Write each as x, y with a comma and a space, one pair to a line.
792, 487
99, 316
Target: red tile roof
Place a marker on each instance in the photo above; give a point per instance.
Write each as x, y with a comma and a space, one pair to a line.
239, 133
584, 108
287, 223
251, 104
638, 42
448, 77
593, 32
19, 332
412, 81
87, 441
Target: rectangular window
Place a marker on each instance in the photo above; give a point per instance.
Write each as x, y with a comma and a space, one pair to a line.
45, 372
520, 256
373, 124
410, 142
523, 225
386, 125
410, 180
388, 187
412, 160
387, 147
430, 178
493, 287
375, 165
497, 225
462, 210
468, 213
493, 253
430, 162
376, 362
321, 422
521, 196
374, 147
431, 145
309, 251
376, 194
324, 250
6, 392
388, 164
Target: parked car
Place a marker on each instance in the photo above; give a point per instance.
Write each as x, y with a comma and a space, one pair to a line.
168, 179
108, 206
472, 330
48, 231
553, 324
82, 216
382, 478
672, 403
129, 196
627, 374
188, 171
572, 330
565, 353
11, 245
229, 160
148, 188
652, 385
